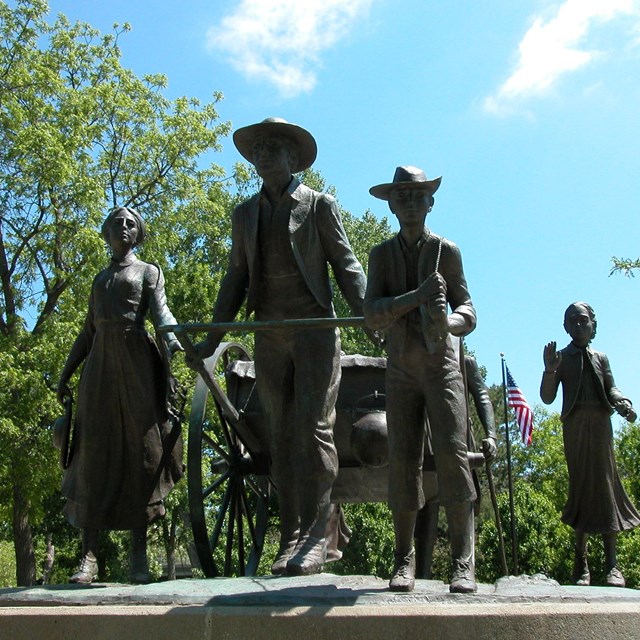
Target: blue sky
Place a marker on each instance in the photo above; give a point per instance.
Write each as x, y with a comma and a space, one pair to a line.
529, 111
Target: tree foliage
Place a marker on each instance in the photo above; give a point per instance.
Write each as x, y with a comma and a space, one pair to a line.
625, 266
79, 134
540, 485
544, 543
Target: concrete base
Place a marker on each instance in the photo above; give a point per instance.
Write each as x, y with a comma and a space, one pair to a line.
324, 606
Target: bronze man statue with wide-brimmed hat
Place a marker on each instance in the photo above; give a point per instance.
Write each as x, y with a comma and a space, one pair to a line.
283, 240
413, 278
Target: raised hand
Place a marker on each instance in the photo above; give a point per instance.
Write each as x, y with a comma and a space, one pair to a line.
552, 358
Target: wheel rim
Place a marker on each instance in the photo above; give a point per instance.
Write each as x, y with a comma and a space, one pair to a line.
228, 494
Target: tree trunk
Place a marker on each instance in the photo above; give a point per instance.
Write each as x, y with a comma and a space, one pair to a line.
48, 561
23, 539
171, 565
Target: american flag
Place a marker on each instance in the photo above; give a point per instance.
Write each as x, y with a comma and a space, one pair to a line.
517, 401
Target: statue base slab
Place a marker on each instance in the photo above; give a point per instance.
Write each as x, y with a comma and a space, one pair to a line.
320, 606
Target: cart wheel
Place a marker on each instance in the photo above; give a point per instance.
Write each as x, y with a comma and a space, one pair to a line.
228, 499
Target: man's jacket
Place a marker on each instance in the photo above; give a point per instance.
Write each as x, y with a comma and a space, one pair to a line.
388, 279
317, 239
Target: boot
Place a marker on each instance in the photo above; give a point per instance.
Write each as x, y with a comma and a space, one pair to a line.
461, 536
404, 570
615, 578
614, 575
88, 570
581, 576
285, 551
403, 577
289, 532
310, 553
308, 557
139, 567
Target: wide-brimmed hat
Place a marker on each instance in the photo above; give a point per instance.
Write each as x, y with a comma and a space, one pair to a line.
407, 178
244, 138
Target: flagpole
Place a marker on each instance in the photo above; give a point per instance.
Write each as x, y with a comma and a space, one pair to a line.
514, 540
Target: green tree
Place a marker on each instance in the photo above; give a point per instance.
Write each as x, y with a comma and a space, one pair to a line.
540, 485
542, 539
542, 463
627, 448
79, 134
625, 266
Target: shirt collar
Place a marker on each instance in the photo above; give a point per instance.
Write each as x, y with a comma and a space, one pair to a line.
574, 348
130, 258
291, 190
418, 246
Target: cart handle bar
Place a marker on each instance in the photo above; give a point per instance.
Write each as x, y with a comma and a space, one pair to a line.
260, 325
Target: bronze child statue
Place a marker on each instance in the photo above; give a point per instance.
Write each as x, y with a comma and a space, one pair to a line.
413, 278
597, 501
284, 239
126, 455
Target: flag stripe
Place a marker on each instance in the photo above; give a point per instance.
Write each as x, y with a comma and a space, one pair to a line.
517, 401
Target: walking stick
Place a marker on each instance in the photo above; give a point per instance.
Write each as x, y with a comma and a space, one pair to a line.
494, 502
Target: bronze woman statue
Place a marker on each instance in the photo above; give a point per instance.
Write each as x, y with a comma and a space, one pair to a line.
126, 452
597, 501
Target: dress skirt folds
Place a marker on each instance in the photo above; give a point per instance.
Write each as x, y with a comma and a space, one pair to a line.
125, 459
597, 501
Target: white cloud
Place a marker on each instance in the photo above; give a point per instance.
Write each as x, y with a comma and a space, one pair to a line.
554, 47
280, 41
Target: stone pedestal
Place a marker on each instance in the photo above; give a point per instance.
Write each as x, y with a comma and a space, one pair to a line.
323, 606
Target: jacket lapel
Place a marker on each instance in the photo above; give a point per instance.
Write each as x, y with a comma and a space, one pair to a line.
300, 209
252, 212
397, 268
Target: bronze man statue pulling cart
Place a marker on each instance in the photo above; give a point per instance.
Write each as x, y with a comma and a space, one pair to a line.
283, 240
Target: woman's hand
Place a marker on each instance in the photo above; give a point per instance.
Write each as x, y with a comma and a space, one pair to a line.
63, 390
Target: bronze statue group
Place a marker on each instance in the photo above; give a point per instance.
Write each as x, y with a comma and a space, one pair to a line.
284, 239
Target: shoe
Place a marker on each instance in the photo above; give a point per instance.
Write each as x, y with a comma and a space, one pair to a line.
581, 576
404, 572
87, 572
460, 519
308, 557
615, 578
463, 577
279, 567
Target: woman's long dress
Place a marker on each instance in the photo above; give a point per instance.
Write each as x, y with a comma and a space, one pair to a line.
597, 501
125, 456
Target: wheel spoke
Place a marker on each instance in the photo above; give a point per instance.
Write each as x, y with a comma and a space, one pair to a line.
239, 513
260, 493
216, 447
226, 431
211, 488
215, 536
230, 522
249, 516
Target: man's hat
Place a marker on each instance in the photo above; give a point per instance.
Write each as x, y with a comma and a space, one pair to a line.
244, 138
407, 178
